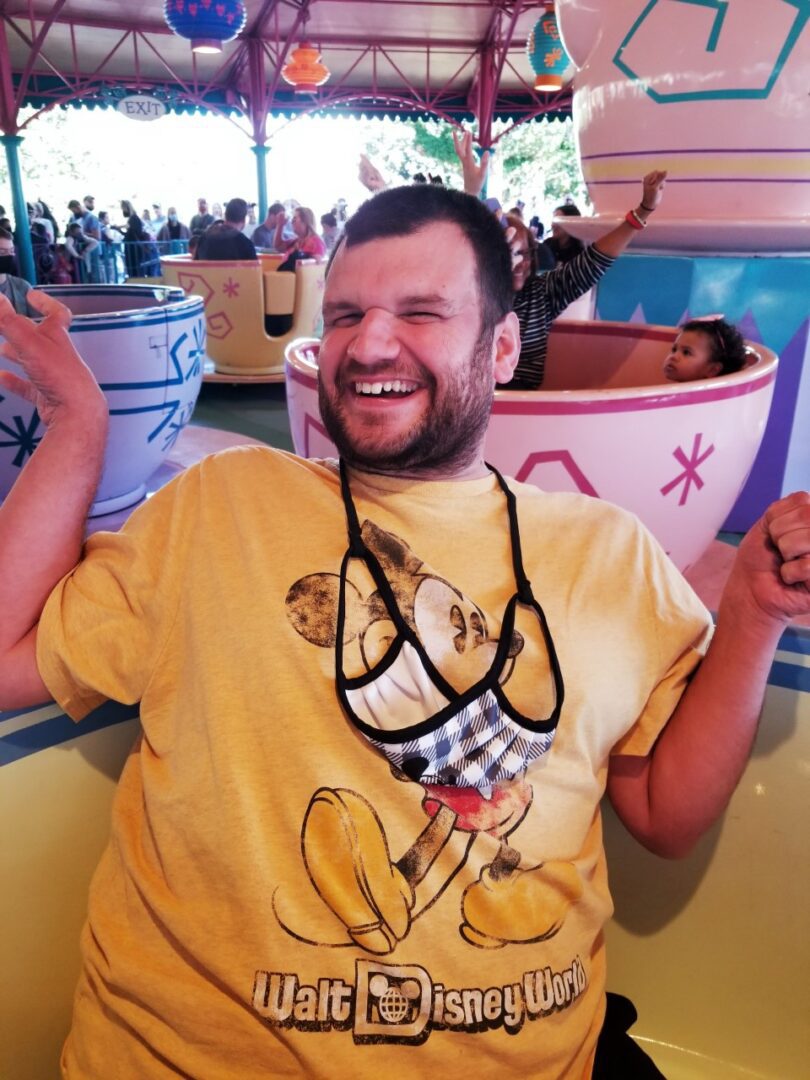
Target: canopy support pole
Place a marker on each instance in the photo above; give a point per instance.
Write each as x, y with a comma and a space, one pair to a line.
11, 142
261, 153
257, 113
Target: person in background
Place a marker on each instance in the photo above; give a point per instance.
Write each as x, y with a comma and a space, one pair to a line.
306, 242
81, 216
146, 221
330, 231
158, 219
250, 222
704, 349
539, 298
224, 239
110, 235
174, 229
38, 217
203, 218
80, 248
90, 226
63, 272
43, 252
218, 212
264, 235
561, 245
46, 212
15, 289
194, 242
136, 241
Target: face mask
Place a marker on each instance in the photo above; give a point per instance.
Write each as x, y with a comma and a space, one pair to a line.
126, 213
173, 218
7, 264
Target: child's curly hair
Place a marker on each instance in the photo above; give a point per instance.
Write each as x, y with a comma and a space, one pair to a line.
727, 343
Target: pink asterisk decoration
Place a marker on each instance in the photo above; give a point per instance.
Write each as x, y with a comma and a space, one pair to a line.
231, 287
690, 474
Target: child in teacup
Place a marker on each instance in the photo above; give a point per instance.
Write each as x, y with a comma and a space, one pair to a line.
705, 348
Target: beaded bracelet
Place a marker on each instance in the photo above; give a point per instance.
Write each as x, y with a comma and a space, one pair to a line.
634, 221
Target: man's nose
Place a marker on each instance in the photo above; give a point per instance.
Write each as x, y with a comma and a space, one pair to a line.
375, 337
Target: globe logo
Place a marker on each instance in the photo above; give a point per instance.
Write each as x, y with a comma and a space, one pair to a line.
395, 998
393, 1006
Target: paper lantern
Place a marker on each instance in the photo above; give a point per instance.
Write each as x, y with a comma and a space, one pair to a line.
550, 62
206, 23
305, 72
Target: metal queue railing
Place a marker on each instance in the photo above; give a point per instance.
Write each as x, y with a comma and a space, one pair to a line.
113, 262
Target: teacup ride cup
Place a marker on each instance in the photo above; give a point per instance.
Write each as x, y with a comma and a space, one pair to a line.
714, 93
146, 347
607, 424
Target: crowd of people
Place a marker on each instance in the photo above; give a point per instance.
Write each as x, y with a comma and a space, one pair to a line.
89, 246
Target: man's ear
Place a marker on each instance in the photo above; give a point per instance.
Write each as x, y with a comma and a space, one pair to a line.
506, 344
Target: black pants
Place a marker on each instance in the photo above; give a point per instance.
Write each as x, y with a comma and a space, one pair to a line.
618, 1056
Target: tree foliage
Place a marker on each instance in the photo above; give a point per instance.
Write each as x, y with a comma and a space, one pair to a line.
537, 161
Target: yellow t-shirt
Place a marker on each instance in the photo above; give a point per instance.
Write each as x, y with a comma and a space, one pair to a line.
275, 899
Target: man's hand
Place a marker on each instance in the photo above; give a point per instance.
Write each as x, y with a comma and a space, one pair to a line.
473, 170
770, 579
653, 189
56, 380
370, 176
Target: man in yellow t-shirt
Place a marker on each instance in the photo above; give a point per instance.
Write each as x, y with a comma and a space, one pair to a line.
380, 700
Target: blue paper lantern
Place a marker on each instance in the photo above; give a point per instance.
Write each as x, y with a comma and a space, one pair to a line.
550, 62
206, 23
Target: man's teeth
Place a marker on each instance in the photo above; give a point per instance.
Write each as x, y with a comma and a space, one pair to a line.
396, 386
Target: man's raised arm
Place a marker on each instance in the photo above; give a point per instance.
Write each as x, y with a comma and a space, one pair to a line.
668, 799
42, 518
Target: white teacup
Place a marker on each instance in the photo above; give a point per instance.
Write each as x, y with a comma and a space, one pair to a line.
716, 94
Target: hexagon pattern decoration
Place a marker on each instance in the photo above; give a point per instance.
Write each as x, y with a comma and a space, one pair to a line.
531, 467
704, 62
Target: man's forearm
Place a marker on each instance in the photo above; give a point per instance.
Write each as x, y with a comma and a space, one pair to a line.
42, 519
702, 753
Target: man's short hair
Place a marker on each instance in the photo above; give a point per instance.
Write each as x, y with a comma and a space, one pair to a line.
236, 210
400, 211
329, 220
74, 202
275, 208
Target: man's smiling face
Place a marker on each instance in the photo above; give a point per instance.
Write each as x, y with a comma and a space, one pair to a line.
406, 373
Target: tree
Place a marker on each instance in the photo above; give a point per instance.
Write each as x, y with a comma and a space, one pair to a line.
536, 161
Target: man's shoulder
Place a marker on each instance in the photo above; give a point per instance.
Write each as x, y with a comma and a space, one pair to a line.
268, 464
584, 516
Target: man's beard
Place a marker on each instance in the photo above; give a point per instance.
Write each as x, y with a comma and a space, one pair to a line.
451, 430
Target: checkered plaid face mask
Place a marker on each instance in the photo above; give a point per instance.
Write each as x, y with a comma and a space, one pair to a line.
408, 711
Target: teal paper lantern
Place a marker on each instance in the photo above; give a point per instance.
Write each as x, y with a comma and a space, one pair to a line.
206, 23
550, 62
